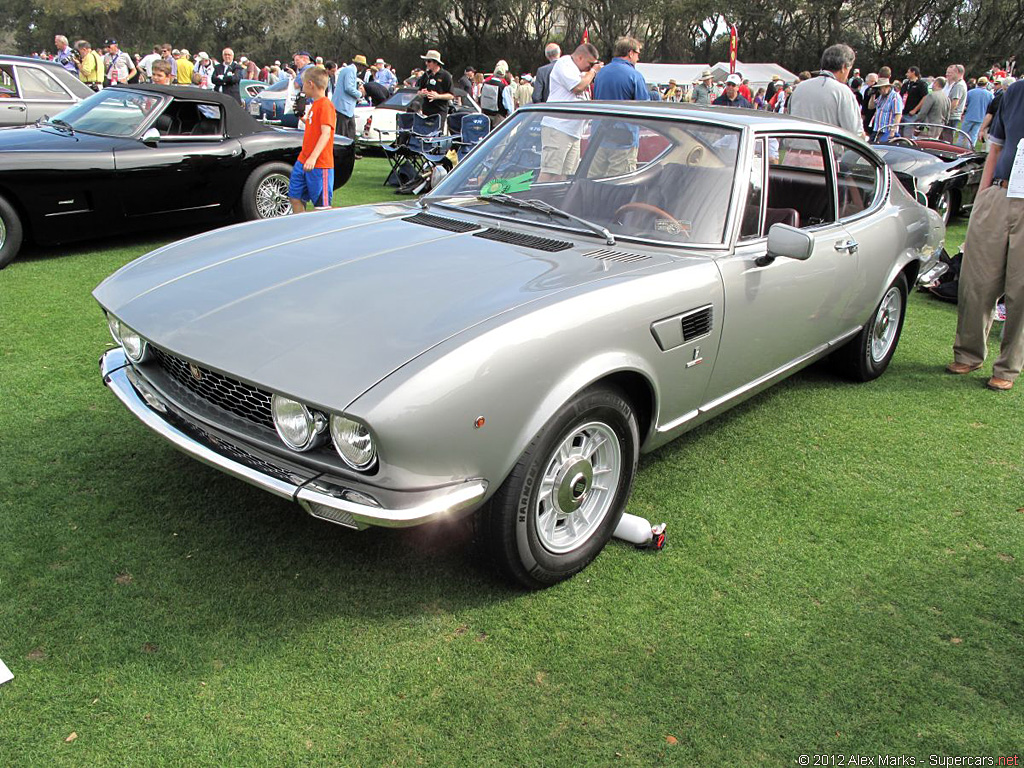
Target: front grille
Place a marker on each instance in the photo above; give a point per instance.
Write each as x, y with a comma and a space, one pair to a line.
697, 324
607, 254
243, 400
521, 238
442, 222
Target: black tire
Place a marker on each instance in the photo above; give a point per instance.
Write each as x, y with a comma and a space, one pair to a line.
253, 206
867, 355
508, 527
11, 233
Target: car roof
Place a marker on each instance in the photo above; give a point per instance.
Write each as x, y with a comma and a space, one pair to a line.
729, 116
70, 81
238, 122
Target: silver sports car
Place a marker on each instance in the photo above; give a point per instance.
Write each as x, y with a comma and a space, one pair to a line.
592, 281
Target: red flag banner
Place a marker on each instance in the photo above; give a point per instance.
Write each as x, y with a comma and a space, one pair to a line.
733, 45
586, 36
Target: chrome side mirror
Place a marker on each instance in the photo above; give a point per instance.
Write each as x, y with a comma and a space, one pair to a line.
789, 242
151, 137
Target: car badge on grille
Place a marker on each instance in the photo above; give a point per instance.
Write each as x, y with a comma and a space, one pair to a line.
196, 373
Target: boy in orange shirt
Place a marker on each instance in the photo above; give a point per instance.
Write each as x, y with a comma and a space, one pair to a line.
313, 175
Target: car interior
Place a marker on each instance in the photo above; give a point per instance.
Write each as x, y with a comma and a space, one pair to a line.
190, 118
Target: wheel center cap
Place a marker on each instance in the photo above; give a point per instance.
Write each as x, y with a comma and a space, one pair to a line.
574, 482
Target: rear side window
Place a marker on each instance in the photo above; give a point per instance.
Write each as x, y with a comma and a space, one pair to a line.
8, 89
858, 180
37, 84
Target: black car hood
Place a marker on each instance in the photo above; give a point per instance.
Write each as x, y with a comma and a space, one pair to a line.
48, 139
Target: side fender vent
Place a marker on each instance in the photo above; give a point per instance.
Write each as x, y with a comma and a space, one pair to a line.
521, 238
442, 222
607, 254
697, 324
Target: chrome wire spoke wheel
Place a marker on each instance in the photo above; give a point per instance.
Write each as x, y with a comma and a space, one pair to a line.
272, 197
3, 232
942, 206
886, 324
578, 487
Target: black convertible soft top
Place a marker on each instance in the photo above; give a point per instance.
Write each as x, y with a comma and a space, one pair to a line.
237, 122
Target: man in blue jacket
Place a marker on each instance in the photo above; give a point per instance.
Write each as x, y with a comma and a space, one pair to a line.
346, 93
619, 81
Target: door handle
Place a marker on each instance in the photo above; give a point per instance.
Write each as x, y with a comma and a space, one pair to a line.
17, 108
850, 246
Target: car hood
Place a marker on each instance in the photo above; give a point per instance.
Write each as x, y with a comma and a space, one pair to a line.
323, 306
45, 139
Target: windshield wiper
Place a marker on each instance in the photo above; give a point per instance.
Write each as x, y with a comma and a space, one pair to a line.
531, 204
60, 125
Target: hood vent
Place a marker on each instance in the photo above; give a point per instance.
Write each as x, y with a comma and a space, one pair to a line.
607, 254
697, 324
521, 238
442, 222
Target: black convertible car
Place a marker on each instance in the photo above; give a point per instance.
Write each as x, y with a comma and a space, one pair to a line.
946, 174
142, 156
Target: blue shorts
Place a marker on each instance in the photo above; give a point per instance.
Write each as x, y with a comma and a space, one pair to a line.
316, 186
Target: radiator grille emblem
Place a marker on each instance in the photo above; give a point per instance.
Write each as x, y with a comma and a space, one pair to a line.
196, 373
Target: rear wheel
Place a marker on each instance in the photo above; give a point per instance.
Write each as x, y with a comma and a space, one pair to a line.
945, 206
561, 503
265, 194
11, 233
868, 354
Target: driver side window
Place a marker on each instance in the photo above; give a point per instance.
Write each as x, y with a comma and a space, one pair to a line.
799, 183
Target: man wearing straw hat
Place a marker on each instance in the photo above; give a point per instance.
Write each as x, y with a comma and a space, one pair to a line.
702, 89
435, 86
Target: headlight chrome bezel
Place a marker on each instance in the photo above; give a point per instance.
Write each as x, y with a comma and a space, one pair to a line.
134, 346
338, 426
314, 424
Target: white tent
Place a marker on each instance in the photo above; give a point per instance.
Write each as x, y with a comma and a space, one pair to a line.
660, 74
759, 75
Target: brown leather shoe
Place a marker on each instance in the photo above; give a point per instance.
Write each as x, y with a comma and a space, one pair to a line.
999, 385
961, 368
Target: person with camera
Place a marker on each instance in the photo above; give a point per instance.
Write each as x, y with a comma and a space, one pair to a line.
65, 55
89, 65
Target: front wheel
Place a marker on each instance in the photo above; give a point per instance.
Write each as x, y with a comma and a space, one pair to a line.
265, 194
11, 233
561, 502
869, 353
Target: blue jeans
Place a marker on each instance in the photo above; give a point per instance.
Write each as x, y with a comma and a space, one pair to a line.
971, 128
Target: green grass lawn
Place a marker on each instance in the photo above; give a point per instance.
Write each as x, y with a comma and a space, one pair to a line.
844, 574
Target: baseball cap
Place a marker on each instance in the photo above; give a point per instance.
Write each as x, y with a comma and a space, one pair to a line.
307, 54
379, 61
110, 41
733, 80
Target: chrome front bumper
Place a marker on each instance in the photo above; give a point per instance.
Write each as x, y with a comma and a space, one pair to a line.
322, 498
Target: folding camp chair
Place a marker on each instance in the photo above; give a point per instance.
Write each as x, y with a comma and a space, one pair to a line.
395, 152
471, 132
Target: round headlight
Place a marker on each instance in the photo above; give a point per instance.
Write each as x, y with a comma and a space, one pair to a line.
298, 426
353, 442
133, 344
115, 327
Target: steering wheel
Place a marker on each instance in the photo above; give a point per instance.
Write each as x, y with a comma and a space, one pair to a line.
902, 141
654, 212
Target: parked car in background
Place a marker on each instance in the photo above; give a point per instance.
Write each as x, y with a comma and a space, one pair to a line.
249, 89
508, 346
378, 126
939, 163
271, 105
144, 156
32, 88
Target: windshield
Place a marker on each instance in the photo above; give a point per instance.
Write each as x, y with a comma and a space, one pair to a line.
667, 180
280, 85
400, 100
112, 112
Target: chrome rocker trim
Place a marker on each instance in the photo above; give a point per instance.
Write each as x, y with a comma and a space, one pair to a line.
322, 500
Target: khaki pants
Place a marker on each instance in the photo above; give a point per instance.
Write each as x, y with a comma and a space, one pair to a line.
993, 266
